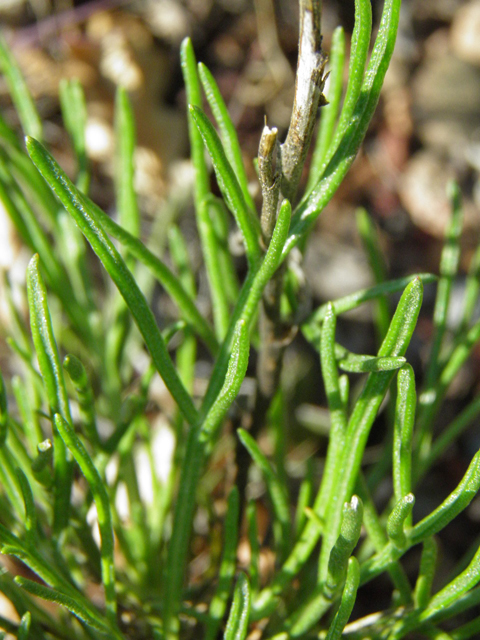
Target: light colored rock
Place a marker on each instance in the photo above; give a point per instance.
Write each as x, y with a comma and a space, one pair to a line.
423, 192
334, 269
465, 33
446, 100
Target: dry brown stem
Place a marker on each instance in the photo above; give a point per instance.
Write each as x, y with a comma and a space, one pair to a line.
283, 183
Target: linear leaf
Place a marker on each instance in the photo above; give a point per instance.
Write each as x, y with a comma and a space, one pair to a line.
125, 163
237, 624
228, 132
198, 444
311, 326
52, 373
395, 344
116, 268
71, 604
218, 604
276, 491
74, 113
161, 272
21, 97
348, 600
103, 510
229, 186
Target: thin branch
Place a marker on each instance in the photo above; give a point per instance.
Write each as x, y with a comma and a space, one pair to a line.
269, 181
283, 183
309, 85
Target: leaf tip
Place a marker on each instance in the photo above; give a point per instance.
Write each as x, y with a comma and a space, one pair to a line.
32, 268
185, 45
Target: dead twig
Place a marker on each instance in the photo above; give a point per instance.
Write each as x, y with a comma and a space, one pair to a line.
282, 182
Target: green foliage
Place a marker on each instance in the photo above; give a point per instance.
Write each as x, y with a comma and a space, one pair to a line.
82, 434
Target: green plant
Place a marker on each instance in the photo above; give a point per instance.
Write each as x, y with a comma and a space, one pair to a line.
46, 448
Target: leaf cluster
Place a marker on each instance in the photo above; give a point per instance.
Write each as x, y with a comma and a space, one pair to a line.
76, 422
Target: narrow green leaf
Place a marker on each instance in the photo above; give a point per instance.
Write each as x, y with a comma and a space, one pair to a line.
215, 261
7, 198
45, 569
218, 604
3, 411
432, 401
395, 344
320, 599
378, 539
337, 409
464, 603
211, 244
426, 573
9, 481
194, 97
276, 490
371, 241
236, 371
358, 57
181, 259
448, 269
198, 444
25, 219
8, 135
71, 604
103, 511
305, 495
40, 465
467, 631
237, 624
186, 355
472, 288
24, 626
356, 363
455, 589
161, 272
248, 299
454, 504
116, 268
347, 602
86, 400
21, 97
311, 326
221, 225
26, 173
216, 277
227, 130
127, 206
74, 113
397, 519
403, 432
350, 529
229, 186
30, 514
52, 373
